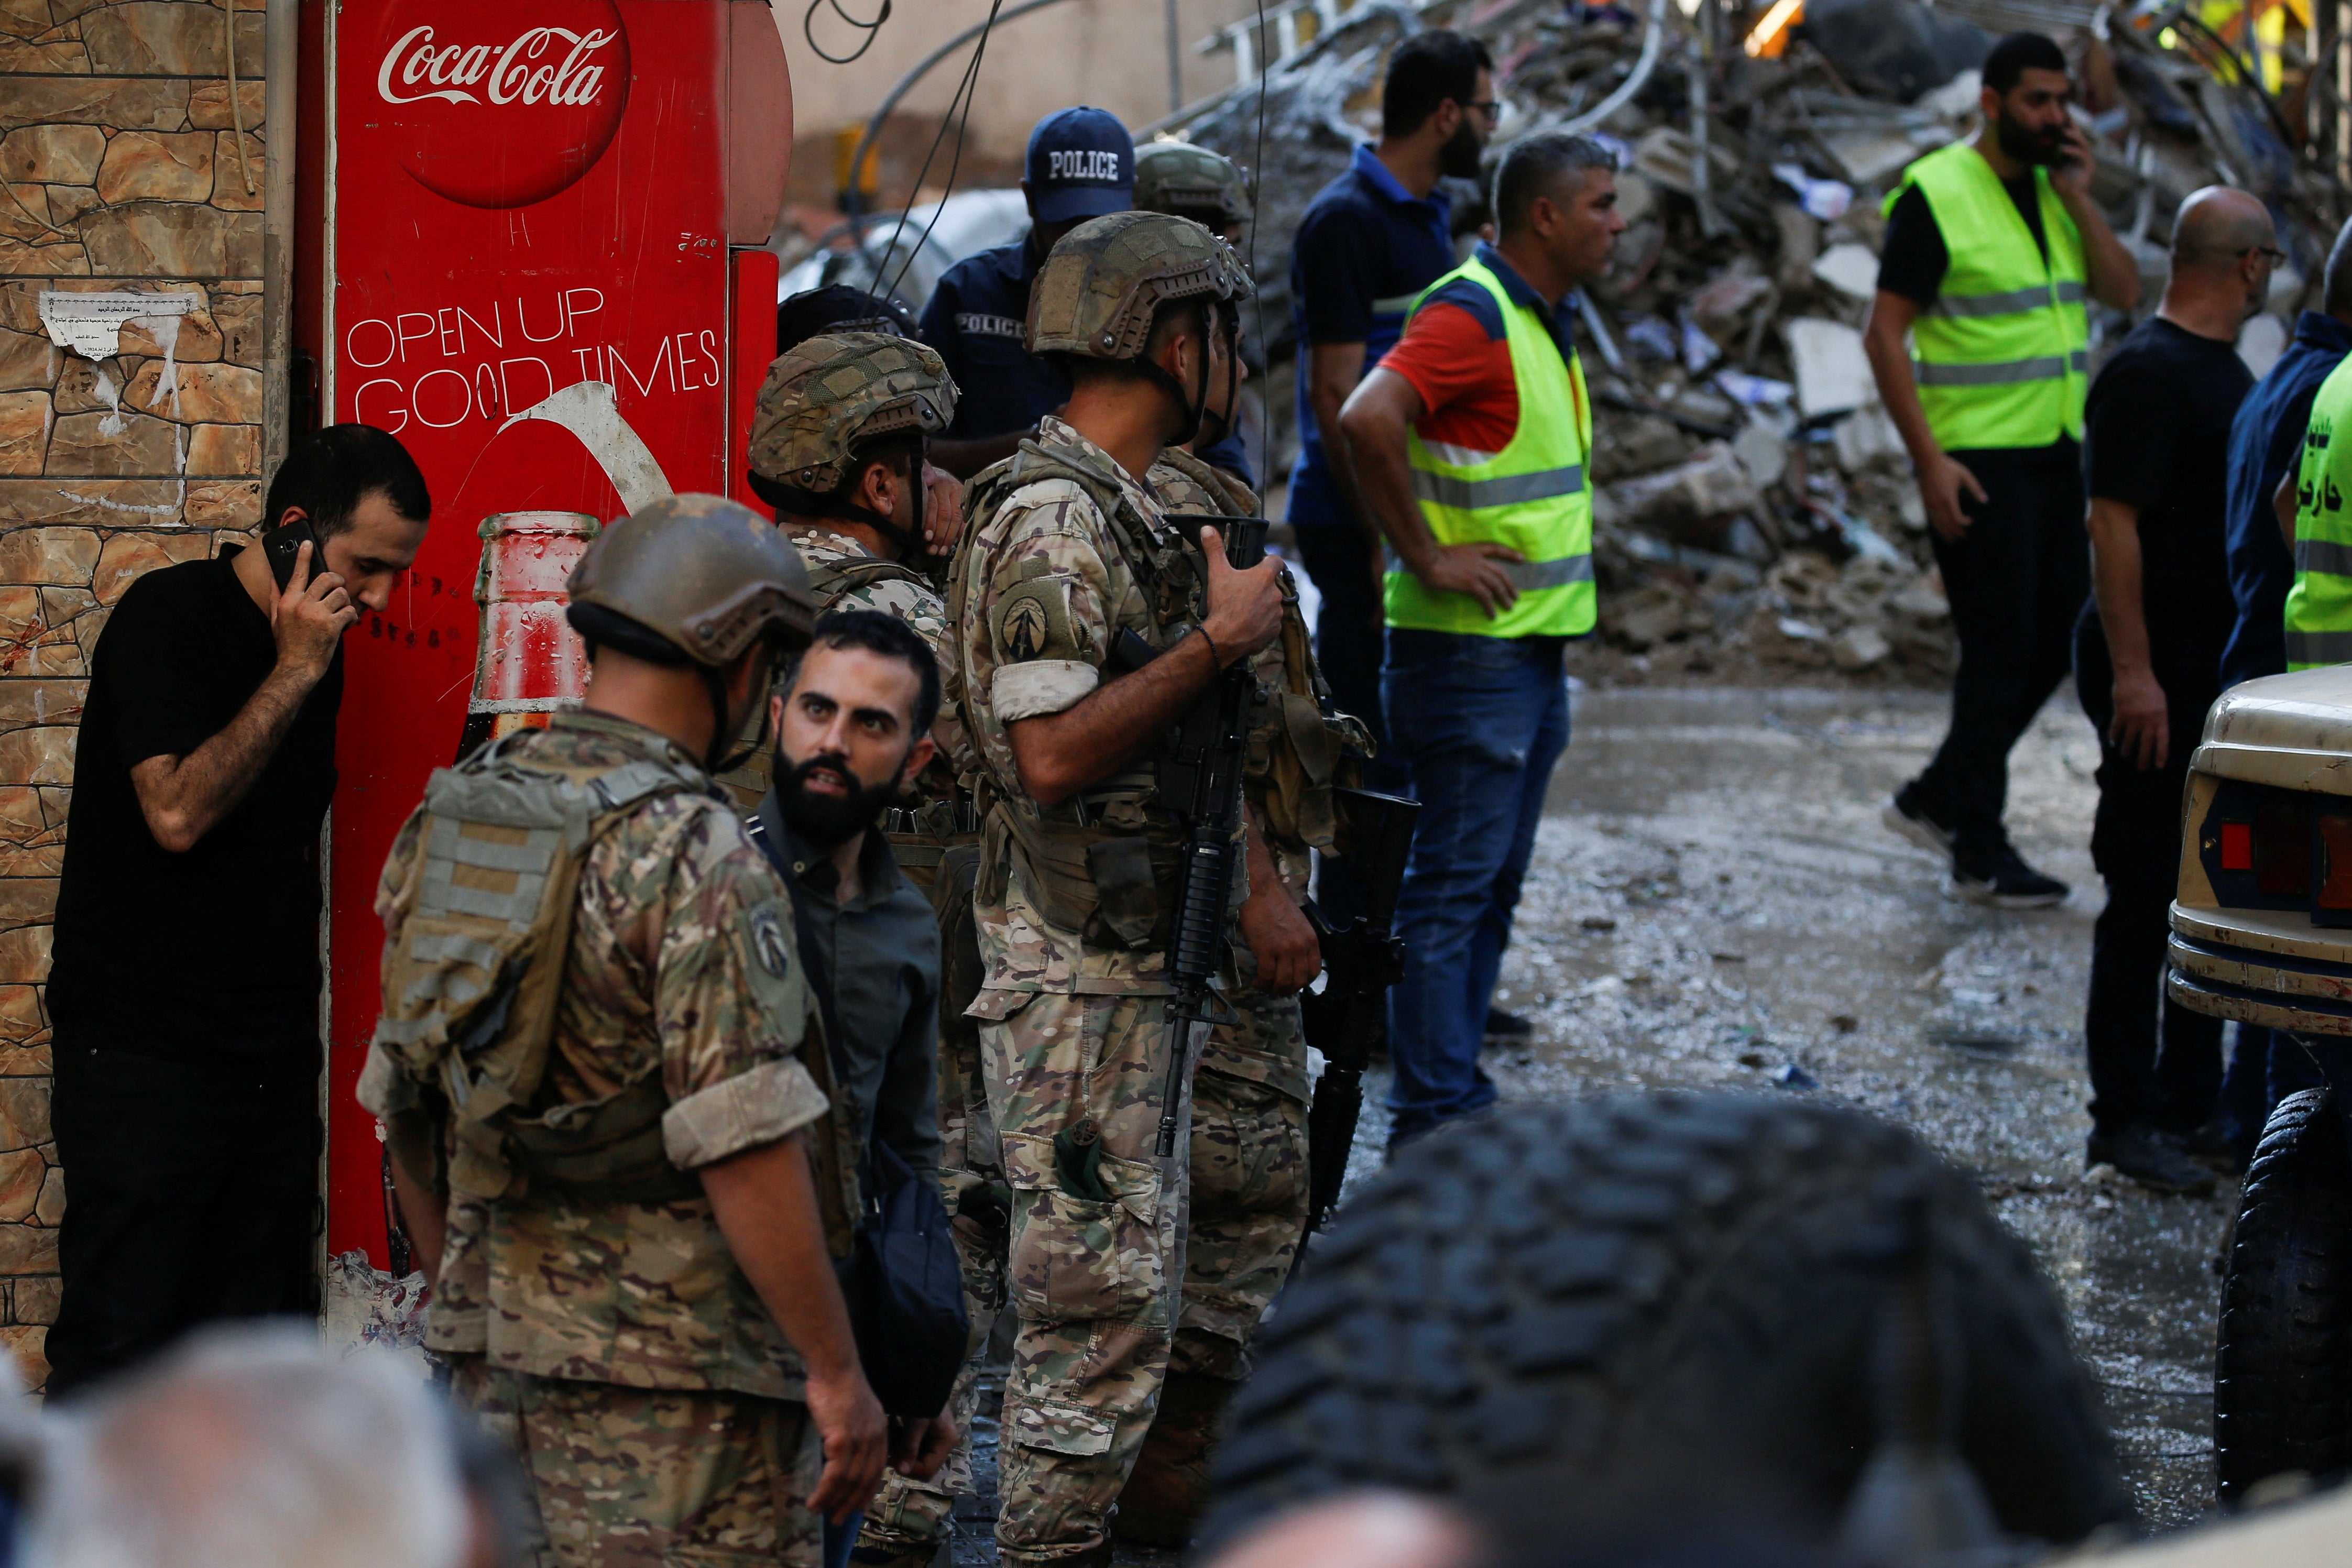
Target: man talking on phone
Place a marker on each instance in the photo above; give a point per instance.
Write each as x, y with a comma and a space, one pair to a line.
1994, 249
184, 986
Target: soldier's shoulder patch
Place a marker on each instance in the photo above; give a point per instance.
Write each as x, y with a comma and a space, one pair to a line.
1032, 620
772, 945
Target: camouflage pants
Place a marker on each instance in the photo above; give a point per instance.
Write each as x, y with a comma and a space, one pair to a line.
1095, 1252
1248, 1206
1249, 1184
651, 1478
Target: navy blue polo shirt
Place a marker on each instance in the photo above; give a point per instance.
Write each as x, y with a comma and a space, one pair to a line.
2265, 439
976, 319
1365, 249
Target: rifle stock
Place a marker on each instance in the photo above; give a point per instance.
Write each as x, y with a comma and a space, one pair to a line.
1348, 1020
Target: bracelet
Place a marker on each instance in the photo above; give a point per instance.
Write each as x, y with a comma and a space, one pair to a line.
1216, 659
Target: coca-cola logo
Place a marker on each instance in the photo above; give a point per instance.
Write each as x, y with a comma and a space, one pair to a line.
500, 107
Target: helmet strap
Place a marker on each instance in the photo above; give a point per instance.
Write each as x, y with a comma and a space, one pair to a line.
1194, 404
725, 756
1221, 424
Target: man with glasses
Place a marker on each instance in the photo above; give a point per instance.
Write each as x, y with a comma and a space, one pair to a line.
2148, 663
1993, 248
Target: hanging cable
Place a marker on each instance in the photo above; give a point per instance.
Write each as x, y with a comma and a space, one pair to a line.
1257, 292
808, 30
966, 91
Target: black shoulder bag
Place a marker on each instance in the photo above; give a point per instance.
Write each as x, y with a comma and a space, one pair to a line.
902, 1280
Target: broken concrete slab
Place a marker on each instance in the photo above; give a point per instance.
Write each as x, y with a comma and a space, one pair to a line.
1832, 373
1849, 268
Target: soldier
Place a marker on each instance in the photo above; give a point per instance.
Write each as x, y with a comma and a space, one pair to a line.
840, 426
1082, 626
628, 1187
1250, 1094
1209, 189
837, 446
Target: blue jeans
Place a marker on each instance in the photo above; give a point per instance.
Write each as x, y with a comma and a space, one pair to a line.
1477, 724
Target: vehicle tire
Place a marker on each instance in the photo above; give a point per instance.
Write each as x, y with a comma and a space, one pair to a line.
1641, 1296
2282, 1366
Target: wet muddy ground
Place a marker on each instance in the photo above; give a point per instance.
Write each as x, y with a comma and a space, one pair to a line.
1714, 902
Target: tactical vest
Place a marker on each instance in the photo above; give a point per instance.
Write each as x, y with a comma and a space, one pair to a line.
2003, 354
829, 580
471, 986
2319, 605
1532, 496
1301, 747
1105, 862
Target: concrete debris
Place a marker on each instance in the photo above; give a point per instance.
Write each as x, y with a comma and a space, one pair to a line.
1832, 372
1754, 503
1849, 268
1691, 502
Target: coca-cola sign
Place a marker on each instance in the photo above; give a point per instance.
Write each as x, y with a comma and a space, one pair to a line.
506, 105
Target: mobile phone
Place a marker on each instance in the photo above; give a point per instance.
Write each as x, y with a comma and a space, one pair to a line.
283, 544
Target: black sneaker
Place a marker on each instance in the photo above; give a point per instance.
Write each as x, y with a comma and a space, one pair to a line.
1908, 815
2150, 1157
1507, 1028
2000, 879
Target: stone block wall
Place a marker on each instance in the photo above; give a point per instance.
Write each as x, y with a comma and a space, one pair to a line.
119, 171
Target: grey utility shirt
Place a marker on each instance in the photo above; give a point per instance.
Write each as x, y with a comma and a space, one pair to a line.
880, 954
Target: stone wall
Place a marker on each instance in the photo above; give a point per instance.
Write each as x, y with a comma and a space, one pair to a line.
119, 171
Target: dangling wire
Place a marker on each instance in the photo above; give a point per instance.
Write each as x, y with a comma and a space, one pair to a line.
808, 30
1257, 290
966, 91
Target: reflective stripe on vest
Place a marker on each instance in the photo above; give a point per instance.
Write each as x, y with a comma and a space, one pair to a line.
2319, 605
2001, 357
2033, 299
1532, 496
2039, 369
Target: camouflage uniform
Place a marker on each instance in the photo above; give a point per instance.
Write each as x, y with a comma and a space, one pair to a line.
1250, 1097
1068, 561
654, 1402
823, 398
1071, 1034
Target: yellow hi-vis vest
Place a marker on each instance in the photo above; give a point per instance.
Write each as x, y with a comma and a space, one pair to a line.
1532, 496
2002, 356
2319, 605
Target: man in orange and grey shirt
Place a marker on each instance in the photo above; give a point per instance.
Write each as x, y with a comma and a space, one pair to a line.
1470, 443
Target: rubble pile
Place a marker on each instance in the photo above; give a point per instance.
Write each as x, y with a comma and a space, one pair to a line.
1754, 509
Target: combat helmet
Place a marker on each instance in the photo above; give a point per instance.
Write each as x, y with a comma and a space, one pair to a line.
824, 395
692, 580
1099, 288
1191, 182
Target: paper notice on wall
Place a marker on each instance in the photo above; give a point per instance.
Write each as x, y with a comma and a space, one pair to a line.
91, 324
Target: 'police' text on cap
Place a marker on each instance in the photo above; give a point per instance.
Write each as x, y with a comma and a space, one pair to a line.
1081, 164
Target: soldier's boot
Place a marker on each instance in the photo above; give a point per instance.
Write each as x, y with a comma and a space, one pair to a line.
1168, 1490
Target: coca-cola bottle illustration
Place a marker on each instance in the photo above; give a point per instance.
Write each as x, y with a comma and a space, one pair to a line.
530, 663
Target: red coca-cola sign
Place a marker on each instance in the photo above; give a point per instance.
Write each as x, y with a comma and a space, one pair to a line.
500, 105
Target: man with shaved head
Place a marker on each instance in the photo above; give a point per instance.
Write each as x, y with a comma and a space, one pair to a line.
2265, 444
2147, 662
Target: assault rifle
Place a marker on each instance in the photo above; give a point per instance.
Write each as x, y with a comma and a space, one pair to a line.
1199, 776
1348, 1021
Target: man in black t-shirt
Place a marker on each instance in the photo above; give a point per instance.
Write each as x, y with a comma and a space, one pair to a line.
2147, 662
184, 985
1993, 292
